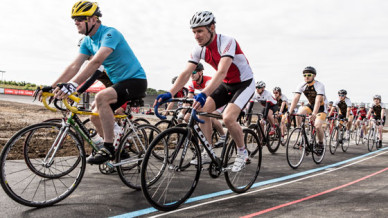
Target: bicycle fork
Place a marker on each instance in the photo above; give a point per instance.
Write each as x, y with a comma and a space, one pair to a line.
49, 159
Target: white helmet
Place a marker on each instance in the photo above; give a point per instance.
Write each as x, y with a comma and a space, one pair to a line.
202, 18
362, 105
260, 84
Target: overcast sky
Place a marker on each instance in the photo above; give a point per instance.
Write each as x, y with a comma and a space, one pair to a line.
345, 40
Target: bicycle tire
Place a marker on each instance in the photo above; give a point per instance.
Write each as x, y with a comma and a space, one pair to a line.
296, 148
164, 184
371, 139
317, 156
164, 124
357, 138
333, 142
141, 121
241, 181
134, 144
345, 143
40, 191
273, 140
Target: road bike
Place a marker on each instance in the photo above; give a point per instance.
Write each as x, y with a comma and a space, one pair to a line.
168, 182
373, 135
340, 136
44, 163
301, 142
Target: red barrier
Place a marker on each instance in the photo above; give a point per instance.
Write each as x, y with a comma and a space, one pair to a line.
18, 92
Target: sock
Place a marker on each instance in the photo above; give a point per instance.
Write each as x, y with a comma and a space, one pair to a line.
241, 150
110, 147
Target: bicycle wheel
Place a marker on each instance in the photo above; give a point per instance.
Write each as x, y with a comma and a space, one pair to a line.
357, 138
318, 156
165, 183
241, 181
296, 148
36, 170
371, 138
164, 124
141, 121
284, 138
131, 153
273, 140
334, 142
346, 142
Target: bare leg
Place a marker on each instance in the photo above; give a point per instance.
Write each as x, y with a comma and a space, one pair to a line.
231, 113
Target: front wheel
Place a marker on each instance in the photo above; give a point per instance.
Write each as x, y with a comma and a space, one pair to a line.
274, 139
296, 148
42, 165
131, 152
371, 139
242, 180
346, 142
168, 182
333, 141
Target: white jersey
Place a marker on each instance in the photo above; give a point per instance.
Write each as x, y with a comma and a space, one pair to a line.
343, 105
264, 97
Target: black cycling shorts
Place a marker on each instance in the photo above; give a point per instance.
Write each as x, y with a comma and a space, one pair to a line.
238, 93
128, 90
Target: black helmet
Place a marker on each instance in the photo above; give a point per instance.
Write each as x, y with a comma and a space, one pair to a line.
173, 79
310, 69
342, 92
278, 89
331, 102
199, 67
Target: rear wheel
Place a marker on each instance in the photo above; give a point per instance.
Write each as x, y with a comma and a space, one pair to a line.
333, 141
242, 180
296, 148
273, 140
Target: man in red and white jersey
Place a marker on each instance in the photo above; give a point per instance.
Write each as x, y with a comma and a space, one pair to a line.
232, 85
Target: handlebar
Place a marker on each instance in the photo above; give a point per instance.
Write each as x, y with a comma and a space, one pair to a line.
49, 94
194, 115
156, 110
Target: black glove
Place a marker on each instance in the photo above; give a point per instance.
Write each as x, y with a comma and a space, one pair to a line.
68, 88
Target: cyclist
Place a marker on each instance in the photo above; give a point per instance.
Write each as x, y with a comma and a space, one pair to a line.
377, 112
315, 94
269, 103
108, 48
344, 105
199, 82
232, 85
361, 116
282, 104
180, 94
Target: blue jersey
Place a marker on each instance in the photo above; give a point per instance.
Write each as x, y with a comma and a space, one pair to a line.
122, 63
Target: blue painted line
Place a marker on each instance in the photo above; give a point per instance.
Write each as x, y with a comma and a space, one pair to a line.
258, 184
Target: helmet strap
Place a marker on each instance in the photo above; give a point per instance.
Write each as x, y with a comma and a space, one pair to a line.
87, 28
211, 35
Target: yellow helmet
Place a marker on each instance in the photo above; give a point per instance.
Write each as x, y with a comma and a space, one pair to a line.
85, 8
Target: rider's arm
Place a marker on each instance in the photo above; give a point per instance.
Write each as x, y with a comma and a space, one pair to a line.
317, 104
294, 102
382, 114
369, 112
93, 65
223, 68
71, 70
348, 112
282, 106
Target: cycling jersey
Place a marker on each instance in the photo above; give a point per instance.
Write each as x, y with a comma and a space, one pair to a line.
343, 105
122, 63
354, 111
376, 110
181, 93
264, 97
282, 99
362, 114
311, 91
224, 46
195, 86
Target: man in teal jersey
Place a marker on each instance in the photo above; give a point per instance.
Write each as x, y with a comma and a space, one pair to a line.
109, 49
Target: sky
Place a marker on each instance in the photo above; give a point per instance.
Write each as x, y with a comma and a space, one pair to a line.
345, 40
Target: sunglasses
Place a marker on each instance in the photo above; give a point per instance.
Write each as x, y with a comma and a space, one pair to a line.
194, 72
80, 19
257, 87
341, 95
307, 75
275, 93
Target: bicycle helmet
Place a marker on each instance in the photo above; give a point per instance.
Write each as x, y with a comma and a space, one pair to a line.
199, 67
85, 8
362, 105
278, 89
260, 84
342, 92
173, 79
310, 69
377, 96
202, 18
331, 102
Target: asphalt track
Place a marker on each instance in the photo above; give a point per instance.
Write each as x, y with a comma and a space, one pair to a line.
351, 184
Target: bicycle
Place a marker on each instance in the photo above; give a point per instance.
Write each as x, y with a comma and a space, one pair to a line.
339, 136
303, 141
44, 163
359, 132
373, 138
169, 182
271, 141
